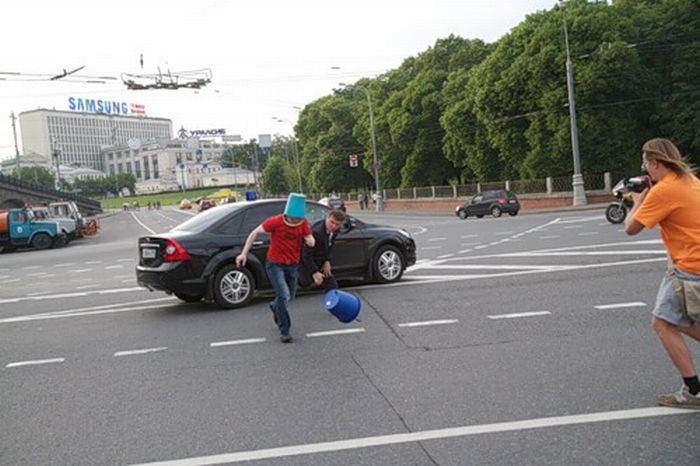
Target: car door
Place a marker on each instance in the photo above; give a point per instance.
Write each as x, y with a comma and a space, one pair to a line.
351, 249
473, 207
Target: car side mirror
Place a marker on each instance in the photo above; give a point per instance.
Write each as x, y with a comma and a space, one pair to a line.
348, 225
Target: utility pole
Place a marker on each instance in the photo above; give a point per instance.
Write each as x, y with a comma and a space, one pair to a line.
14, 132
255, 164
577, 180
55, 151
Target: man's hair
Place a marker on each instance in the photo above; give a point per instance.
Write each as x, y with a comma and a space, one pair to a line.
666, 153
339, 215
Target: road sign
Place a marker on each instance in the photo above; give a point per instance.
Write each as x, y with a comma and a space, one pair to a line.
353, 159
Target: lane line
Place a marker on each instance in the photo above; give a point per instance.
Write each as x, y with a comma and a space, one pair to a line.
571, 227
589, 233
12, 280
84, 287
126, 260
31, 267
92, 262
80, 270
426, 323
66, 264
140, 351
35, 362
335, 332
503, 233
469, 236
142, 224
425, 435
110, 267
520, 314
237, 342
430, 248
436, 239
550, 237
445, 256
620, 305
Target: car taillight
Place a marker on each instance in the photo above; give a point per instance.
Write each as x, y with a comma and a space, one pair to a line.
174, 252
501, 200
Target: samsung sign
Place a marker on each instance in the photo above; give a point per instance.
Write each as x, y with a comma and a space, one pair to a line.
78, 104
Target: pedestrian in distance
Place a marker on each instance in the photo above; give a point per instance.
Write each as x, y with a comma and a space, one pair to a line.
672, 203
361, 201
316, 268
287, 233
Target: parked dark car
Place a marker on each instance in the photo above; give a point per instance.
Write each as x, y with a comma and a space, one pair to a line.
495, 203
334, 202
195, 260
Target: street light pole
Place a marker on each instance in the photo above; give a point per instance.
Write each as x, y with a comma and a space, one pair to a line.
14, 131
375, 165
577, 179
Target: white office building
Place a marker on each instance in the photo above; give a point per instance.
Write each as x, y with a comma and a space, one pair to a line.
79, 137
172, 165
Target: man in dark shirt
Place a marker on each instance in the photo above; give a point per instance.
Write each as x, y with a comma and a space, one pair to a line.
316, 261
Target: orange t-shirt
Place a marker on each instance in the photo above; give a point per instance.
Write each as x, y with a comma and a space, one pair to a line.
674, 204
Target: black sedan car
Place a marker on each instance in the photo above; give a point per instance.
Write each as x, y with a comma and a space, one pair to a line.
195, 260
495, 203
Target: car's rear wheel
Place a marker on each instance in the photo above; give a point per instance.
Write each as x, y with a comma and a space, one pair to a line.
189, 298
480, 216
388, 264
462, 214
60, 241
42, 241
496, 211
513, 213
233, 287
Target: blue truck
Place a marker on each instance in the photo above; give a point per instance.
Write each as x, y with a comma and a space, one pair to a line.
19, 228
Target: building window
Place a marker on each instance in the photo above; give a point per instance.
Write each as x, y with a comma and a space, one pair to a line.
146, 169
154, 158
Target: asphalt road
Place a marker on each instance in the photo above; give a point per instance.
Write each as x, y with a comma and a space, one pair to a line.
519, 340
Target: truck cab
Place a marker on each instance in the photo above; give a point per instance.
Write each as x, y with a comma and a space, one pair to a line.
19, 228
67, 225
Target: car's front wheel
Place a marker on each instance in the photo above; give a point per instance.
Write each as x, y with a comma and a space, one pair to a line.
388, 264
233, 287
462, 214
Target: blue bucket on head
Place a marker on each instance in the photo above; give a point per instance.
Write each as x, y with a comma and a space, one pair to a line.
344, 306
296, 205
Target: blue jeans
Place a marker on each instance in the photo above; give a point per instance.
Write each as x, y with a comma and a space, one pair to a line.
283, 278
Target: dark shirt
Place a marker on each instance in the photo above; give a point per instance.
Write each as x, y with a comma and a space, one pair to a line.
313, 258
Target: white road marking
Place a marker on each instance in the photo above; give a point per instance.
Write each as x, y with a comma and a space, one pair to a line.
496, 267
463, 251
620, 305
481, 246
37, 274
126, 260
66, 264
335, 332
570, 227
425, 435
80, 270
13, 280
92, 262
72, 295
142, 224
86, 286
469, 236
550, 237
565, 220
520, 314
589, 233
38, 293
445, 256
110, 267
237, 342
426, 323
437, 239
31, 267
2, 277
140, 351
129, 280
469, 244
502, 233
4, 270
35, 362
430, 248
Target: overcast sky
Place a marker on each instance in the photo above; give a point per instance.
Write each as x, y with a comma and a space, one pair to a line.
266, 56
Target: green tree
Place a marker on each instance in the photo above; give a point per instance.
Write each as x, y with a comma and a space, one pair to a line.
38, 175
275, 176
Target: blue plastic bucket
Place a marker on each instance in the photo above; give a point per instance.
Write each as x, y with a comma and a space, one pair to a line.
296, 205
344, 306
251, 195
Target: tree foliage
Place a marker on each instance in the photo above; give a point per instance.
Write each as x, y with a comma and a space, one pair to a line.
467, 111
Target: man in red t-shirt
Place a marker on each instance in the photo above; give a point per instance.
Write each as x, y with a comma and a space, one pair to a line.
283, 256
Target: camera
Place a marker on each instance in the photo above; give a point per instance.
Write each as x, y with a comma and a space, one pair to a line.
637, 184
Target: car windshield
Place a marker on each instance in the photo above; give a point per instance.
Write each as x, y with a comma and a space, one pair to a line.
207, 218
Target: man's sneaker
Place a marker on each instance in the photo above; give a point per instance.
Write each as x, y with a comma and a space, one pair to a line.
680, 399
286, 338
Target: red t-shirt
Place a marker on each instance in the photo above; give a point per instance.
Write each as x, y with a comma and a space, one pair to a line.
285, 240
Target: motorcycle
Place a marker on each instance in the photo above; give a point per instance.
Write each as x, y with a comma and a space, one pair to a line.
617, 210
